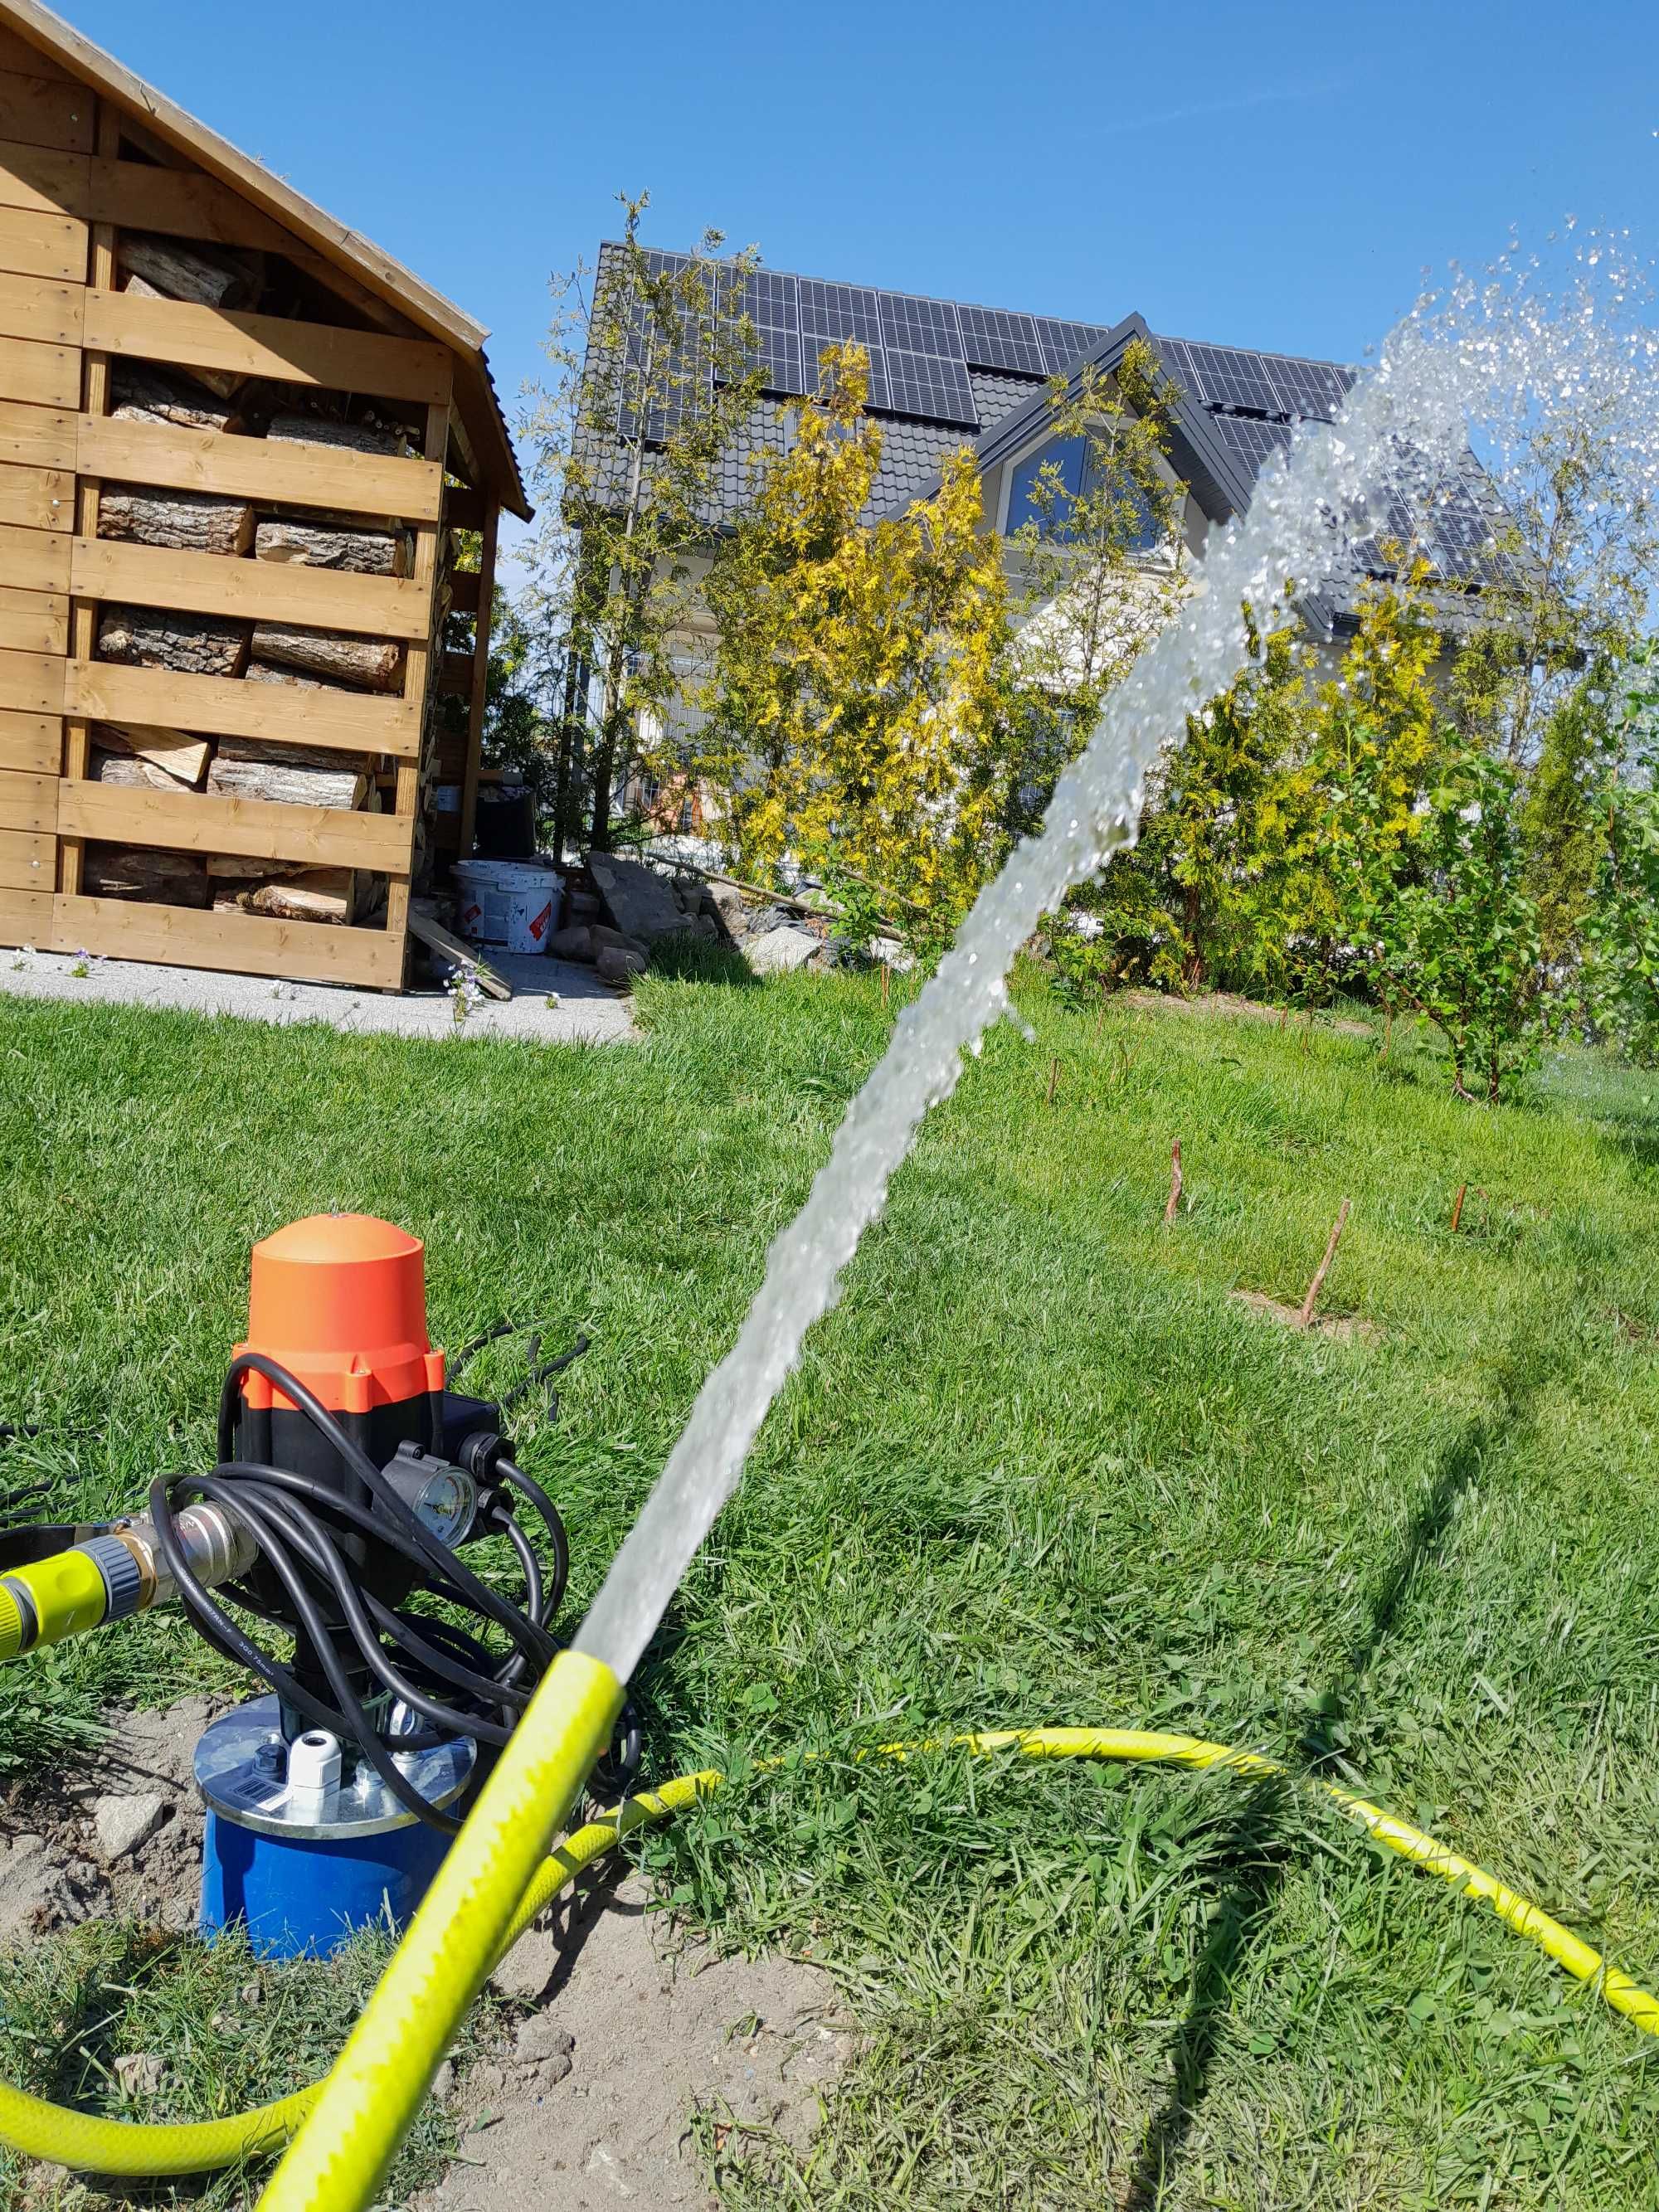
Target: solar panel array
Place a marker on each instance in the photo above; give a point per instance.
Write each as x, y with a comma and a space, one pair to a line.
1265, 384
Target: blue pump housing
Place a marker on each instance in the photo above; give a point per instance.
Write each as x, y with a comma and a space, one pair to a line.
308, 1897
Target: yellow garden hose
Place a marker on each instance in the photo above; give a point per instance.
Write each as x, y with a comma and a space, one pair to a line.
43, 2130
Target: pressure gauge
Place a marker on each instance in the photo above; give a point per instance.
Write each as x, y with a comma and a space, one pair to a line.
442, 1497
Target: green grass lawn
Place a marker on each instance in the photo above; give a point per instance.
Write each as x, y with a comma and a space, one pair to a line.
1039, 1466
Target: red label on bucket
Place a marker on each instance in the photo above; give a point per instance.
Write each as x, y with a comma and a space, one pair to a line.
471, 915
541, 922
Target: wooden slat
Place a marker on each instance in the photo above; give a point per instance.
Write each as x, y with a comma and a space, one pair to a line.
265, 345
38, 112
44, 181
140, 196
36, 499
32, 683
417, 661
223, 706
475, 706
17, 54
464, 592
92, 399
261, 829
34, 560
248, 943
28, 860
44, 375
464, 509
41, 246
37, 437
25, 917
33, 621
259, 469
49, 313
262, 591
35, 742
28, 802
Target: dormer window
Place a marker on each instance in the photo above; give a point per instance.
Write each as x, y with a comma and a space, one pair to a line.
1045, 487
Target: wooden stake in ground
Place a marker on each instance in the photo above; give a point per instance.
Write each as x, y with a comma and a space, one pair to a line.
1457, 1206
1317, 1285
1174, 1183
1054, 1080
886, 980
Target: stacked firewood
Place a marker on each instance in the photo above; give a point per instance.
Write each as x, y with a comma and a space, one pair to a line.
254, 651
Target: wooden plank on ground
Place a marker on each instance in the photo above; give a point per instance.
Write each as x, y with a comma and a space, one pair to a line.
33, 621
35, 742
34, 560
28, 860
37, 437
28, 802
43, 112
335, 478
259, 829
25, 917
44, 246
248, 943
226, 707
44, 375
36, 499
190, 336
262, 591
32, 683
434, 933
49, 313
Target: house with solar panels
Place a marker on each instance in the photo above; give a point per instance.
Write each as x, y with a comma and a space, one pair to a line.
944, 374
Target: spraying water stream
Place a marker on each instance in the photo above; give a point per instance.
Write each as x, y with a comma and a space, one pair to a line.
1493, 351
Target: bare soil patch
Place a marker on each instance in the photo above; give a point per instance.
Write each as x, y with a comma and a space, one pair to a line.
1345, 1328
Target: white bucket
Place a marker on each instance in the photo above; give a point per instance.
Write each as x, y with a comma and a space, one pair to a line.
514, 903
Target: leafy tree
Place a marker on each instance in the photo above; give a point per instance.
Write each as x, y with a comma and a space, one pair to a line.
1446, 923
852, 705
653, 383
1621, 923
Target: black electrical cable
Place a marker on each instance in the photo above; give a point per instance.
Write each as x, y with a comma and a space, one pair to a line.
296, 1523
543, 1505
541, 1371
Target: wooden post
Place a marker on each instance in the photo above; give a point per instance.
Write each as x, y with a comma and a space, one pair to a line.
480, 681
886, 980
83, 613
416, 666
1054, 1081
1323, 1268
1457, 1206
1174, 1184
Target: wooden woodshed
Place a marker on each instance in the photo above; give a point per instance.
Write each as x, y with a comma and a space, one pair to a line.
250, 475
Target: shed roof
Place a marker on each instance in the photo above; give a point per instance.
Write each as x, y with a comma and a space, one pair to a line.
347, 250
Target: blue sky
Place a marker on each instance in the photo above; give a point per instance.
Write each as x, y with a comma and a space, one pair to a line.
1275, 175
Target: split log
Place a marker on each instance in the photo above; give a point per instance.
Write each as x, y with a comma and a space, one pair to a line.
315, 895
301, 775
145, 393
238, 868
296, 429
123, 871
126, 769
148, 637
177, 272
179, 757
265, 671
366, 664
314, 545
188, 521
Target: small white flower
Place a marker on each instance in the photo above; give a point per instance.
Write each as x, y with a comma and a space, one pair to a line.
1471, 812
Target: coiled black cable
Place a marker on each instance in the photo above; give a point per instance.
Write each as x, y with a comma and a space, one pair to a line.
433, 1668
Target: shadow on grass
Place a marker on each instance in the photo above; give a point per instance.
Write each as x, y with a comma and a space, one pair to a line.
689, 959
1262, 1841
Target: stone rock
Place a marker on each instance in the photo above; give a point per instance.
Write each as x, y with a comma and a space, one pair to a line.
725, 900
540, 2038
616, 962
704, 925
443, 2082
140, 2073
124, 1823
619, 939
639, 901
575, 942
779, 951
